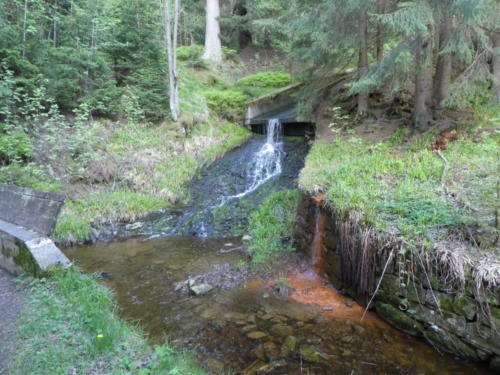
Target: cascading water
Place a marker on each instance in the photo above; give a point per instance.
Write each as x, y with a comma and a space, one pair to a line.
266, 163
225, 193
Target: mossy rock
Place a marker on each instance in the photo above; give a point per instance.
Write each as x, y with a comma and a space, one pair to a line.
289, 346
450, 343
398, 319
460, 305
310, 354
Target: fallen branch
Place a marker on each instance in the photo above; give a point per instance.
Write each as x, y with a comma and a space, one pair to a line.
445, 169
378, 285
223, 251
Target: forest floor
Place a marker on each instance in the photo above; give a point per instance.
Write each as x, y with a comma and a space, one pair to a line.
11, 303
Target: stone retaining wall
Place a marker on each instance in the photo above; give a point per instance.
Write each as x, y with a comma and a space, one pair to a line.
25, 250
453, 322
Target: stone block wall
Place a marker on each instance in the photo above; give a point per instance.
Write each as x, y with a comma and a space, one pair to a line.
453, 322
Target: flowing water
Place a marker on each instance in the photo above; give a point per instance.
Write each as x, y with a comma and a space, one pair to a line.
225, 193
325, 326
243, 325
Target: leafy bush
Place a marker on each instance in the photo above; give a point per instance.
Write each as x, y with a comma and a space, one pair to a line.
266, 79
192, 52
14, 146
226, 103
271, 225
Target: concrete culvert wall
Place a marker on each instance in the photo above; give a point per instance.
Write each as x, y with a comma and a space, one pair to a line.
27, 217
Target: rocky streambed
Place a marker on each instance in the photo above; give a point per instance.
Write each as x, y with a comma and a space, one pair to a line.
289, 321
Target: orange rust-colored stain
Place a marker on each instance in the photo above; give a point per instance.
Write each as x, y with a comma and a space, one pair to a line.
444, 139
319, 199
309, 288
254, 284
318, 251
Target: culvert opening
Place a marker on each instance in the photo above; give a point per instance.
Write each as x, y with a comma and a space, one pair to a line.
290, 129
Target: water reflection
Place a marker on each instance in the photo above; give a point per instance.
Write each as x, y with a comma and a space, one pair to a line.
251, 329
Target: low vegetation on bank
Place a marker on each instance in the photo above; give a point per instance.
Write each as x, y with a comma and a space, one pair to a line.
120, 169
436, 194
70, 326
271, 226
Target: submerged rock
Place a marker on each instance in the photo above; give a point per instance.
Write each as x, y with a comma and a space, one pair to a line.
281, 330
398, 319
271, 350
257, 335
289, 346
495, 364
200, 289
310, 354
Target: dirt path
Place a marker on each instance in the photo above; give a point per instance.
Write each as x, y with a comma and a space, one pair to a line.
11, 301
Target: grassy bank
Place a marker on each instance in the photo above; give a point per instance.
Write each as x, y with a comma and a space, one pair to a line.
409, 190
146, 168
70, 326
271, 226
122, 169
441, 204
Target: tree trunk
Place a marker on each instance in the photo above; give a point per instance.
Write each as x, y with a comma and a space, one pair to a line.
422, 115
379, 48
25, 23
495, 64
443, 69
363, 61
213, 47
171, 25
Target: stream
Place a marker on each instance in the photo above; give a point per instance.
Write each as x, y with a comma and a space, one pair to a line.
293, 322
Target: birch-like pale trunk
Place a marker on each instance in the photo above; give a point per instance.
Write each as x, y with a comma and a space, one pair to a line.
171, 23
25, 25
213, 46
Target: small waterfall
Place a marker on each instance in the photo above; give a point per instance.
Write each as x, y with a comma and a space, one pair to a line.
266, 163
261, 166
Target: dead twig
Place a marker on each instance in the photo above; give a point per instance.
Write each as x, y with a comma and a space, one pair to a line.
223, 251
445, 170
378, 285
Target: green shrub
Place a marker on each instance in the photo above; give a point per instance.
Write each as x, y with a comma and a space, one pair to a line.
271, 226
266, 79
227, 104
230, 53
14, 146
192, 52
